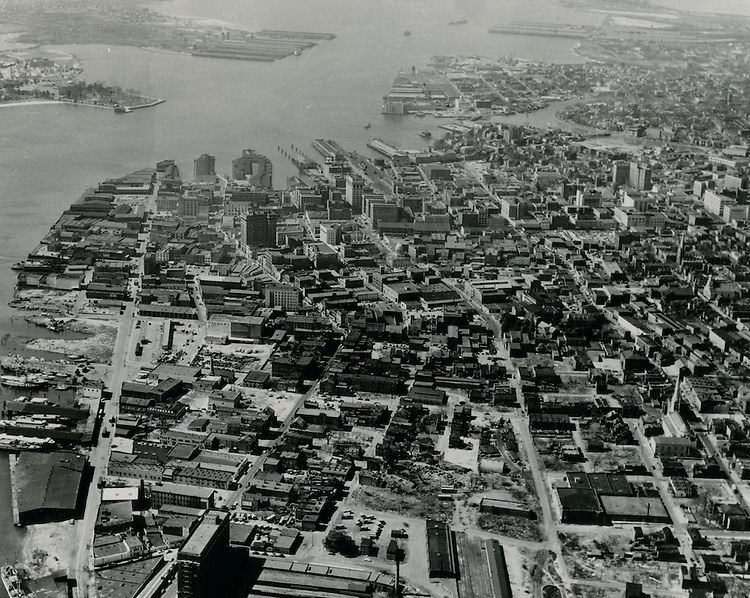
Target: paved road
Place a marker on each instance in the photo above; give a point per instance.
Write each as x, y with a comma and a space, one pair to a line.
492, 322
521, 427
99, 456
679, 521
743, 491
83, 565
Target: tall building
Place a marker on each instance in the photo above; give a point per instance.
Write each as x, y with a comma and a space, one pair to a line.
201, 558
714, 203
354, 190
330, 232
254, 168
259, 229
620, 173
205, 168
640, 176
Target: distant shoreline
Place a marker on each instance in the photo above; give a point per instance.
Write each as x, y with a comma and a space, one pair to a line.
30, 103
38, 102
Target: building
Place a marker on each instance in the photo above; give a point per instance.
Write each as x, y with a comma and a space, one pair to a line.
47, 485
512, 508
499, 578
205, 169
620, 173
640, 176
239, 200
714, 203
306, 199
259, 229
330, 233
254, 168
181, 495
190, 204
200, 560
441, 550
226, 327
635, 509
671, 446
285, 296
580, 505
355, 186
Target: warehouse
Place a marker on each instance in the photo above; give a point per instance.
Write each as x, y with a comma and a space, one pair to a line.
580, 505
441, 550
635, 508
47, 486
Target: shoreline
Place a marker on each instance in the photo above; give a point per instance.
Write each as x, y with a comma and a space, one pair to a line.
38, 102
29, 103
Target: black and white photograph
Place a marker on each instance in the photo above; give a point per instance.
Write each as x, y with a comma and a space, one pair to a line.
374, 298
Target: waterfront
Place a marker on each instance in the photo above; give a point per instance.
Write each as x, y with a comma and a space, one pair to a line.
50, 153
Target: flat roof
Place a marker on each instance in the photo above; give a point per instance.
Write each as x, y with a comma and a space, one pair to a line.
632, 507
203, 535
579, 499
183, 489
120, 494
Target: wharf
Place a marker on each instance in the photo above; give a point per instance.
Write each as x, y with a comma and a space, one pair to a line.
543, 31
328, 148
386, 149
306, 35
12, 462
233, 56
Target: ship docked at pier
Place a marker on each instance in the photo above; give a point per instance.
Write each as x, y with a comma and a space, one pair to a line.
13, 584
25, 382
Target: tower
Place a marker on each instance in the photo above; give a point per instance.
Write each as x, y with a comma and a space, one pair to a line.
201, 558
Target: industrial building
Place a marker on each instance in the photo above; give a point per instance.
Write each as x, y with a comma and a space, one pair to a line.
47, 486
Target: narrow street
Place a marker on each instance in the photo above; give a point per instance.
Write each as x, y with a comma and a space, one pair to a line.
679, 521
520, 426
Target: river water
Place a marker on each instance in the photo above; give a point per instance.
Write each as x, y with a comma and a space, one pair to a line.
49, 154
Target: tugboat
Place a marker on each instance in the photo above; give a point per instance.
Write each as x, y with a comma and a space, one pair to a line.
425, 134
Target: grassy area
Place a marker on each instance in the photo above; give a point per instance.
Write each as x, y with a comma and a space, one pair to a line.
512, 527
412, 505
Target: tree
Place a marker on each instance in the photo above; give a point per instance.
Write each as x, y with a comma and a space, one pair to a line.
341, 543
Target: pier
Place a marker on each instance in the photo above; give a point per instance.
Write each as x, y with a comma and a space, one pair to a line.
12, 461
328, 148
386, 149
544, 30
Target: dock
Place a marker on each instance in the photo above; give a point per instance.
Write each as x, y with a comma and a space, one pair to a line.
303, 35
12, 461
328, 148
386, 149
542, 30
